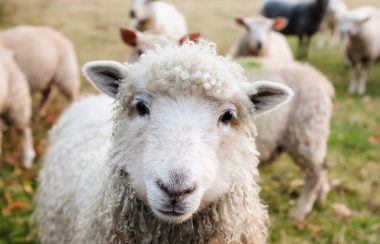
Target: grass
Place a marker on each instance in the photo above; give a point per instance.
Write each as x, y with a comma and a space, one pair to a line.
354, 146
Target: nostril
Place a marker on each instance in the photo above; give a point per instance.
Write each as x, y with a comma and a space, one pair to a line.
132, 14
176, 194
188, 191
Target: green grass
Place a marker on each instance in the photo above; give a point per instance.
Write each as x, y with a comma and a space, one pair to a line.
354, 146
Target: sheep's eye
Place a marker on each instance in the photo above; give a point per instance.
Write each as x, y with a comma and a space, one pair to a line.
140, 52
141, 108
226, 117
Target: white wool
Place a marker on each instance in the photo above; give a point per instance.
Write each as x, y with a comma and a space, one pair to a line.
301, 128
15, 103
54, 54
89, 185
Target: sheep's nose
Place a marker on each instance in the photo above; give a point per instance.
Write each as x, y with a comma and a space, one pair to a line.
176, 194
259, 45
132, 14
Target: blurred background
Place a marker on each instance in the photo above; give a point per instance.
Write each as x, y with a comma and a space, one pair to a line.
354, 145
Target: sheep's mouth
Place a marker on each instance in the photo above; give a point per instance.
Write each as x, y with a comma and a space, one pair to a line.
171, 213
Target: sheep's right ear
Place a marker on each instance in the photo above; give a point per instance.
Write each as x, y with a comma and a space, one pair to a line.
241, 21
267, 95
280, 24
129, 37
105, 75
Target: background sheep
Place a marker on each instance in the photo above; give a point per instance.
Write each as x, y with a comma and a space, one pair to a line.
329, 27
158, 17
46, 58
143, 41
301, 128
361, 28
172, 172
15, 103
259, 40
304, 19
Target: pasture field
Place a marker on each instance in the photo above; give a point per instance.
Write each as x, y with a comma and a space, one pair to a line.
354, 146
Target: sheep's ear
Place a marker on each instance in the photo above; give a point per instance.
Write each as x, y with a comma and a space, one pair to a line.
279, 24
105, 75
191, 37
129, 37
241, 21
267, 95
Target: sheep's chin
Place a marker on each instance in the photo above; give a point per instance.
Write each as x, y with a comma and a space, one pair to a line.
175, 219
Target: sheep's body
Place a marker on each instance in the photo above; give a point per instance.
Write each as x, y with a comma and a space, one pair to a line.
304, 19
90, 190
15, 103
300, 128
54, 54
361, 28
329, 27
159, 18
273, 45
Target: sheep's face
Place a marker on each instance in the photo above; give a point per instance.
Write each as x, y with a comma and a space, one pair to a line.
139, 9
182, 141
258, 31
350, 26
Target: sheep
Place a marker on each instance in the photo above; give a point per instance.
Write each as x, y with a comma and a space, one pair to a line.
361, 30
15, 103
179, 163
143, 41
259, 40
47, 58
158, 18
336, 10
301, 128
304, 19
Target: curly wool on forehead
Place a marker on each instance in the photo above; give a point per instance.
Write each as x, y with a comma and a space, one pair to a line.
191, 68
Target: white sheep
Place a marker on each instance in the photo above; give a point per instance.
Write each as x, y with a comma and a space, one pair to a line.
143, 41
47, 58
361, 29
301, 128
179, 163
15, 103
329, 30
158, 17
260, 40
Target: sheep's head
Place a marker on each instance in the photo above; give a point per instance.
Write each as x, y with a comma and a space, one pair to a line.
258, 30
184, 129
142, 41
351, 24
139, 9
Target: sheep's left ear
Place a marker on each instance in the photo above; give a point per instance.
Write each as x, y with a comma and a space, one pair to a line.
279, 24
105, 75
191, 37
267, 95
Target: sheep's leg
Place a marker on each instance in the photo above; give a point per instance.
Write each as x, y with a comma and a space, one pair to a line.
300, 47
28, 149
355, 78
334, 38
1, 138
315, 179
322, 39
42, 110
363, 79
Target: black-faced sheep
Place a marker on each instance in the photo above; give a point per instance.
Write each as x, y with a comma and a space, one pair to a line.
179, 163
304, 19
15, 103
47, 58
